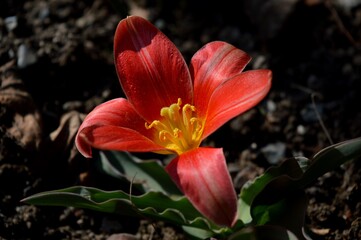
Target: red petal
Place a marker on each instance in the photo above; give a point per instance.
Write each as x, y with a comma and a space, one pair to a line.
236, 96
151, 70
211, 66
114, 125
203, 177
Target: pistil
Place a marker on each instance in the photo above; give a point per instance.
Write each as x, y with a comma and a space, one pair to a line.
178, 129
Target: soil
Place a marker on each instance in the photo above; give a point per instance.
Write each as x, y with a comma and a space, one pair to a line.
56, 65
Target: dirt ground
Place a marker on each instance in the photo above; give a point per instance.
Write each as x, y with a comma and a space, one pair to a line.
56, 65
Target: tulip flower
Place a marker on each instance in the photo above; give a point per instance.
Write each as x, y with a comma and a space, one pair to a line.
170, 108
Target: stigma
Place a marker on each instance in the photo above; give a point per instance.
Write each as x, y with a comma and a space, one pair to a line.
178, 128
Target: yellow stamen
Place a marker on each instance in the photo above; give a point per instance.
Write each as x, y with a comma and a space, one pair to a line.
178, 129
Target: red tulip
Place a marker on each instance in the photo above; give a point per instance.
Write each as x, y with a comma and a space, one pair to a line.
171, 108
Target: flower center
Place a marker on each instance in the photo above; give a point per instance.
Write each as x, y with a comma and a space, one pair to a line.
178, 129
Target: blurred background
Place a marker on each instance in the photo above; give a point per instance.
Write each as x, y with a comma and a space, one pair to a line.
56, 65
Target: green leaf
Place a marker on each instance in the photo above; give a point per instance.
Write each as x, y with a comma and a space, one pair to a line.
148, 175
330, 158
288, 210
300, 172
253, 188
154, 205
197, 233
269, 198
269, 232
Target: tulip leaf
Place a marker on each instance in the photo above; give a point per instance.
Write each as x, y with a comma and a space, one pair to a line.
253, 188
267, 232
197, 233
288, 209
330, 158
148, 175
269, 198
154, 205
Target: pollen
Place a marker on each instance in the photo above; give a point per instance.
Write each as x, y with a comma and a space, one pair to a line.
178, 128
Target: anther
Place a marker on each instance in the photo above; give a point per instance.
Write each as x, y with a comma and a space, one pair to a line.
178, 128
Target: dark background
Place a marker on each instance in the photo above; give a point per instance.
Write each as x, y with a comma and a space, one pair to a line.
56, 65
